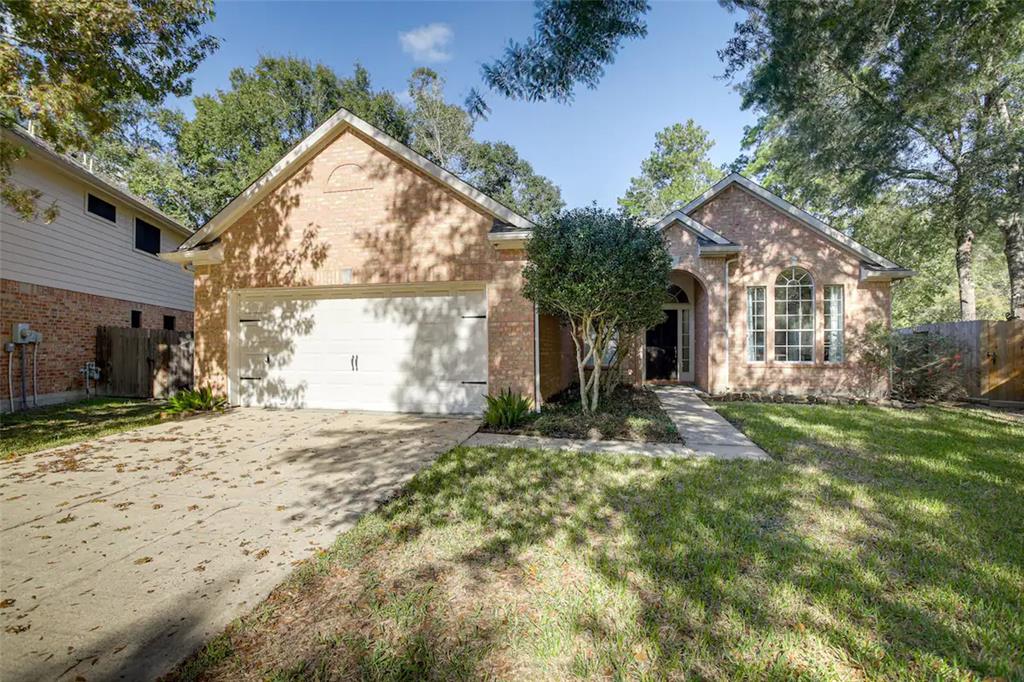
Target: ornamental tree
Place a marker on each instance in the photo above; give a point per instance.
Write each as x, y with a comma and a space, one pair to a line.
603, 274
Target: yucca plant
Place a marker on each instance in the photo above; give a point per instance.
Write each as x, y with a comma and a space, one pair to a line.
195, 400
507, 409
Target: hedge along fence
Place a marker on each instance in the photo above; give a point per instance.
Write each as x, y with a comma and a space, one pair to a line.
990, 355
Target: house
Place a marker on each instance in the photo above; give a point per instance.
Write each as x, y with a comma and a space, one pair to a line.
356, 274
95, 264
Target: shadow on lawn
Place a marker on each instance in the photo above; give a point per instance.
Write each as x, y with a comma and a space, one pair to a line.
883, 546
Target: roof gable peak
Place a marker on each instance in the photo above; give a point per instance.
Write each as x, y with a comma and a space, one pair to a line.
831, 234
318, 140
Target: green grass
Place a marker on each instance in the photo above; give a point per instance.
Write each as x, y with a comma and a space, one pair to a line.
47, 427
629, 414
878, 544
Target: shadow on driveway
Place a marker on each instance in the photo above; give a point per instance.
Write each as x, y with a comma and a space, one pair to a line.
123, 554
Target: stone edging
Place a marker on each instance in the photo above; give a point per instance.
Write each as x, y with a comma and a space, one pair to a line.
807, 400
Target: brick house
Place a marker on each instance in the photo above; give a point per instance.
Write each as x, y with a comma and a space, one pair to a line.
356, 274
95, 264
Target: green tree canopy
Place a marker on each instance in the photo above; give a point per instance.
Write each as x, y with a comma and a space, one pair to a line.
602, 273
572, 43
497, 170
68, 67
885, 93
676, 171
443, 132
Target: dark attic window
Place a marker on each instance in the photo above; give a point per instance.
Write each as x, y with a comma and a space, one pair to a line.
101, 208
147, 237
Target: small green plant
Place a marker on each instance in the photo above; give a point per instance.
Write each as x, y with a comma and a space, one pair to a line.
507, 409
195, 400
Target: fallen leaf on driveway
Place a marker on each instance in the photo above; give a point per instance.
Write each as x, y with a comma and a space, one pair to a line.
17, 629
193, 507
66, 519
123, 505
143, 560
262, 553
6, 603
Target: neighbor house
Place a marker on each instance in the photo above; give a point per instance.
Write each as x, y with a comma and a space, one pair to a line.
357, 274
95, 264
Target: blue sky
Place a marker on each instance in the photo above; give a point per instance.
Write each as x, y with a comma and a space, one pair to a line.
590, 147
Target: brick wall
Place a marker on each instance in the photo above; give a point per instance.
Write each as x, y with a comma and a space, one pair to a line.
772, 242
68, 321
355, 211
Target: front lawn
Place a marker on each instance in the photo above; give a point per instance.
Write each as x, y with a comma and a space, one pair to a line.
48, 427
878, 544
630, 413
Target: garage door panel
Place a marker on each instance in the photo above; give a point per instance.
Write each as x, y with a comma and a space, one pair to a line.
424, 353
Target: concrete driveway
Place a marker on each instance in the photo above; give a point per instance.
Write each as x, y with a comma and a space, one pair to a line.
120, 556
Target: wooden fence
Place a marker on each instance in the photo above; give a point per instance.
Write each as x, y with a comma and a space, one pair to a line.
143, 363
992, 352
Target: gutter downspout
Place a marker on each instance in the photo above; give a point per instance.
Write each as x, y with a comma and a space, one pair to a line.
728, 261
888, 334
10, 374
536, 359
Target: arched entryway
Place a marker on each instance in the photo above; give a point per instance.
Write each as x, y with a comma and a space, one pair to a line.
673, 349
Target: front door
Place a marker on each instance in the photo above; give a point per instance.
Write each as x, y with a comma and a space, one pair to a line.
667, 352
662, 350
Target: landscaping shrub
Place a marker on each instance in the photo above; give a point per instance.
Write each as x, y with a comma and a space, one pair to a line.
603, 274
195, 400
924, 366
507, 409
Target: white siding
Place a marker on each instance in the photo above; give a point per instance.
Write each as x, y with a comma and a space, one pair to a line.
82, 252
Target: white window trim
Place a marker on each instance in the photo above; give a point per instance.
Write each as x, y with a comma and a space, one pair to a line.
813, 318
764, 325
841, 329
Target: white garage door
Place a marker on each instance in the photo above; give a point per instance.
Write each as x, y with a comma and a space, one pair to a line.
411, 353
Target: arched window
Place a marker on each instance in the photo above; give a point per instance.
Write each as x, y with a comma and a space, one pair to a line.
794, 316
676, 295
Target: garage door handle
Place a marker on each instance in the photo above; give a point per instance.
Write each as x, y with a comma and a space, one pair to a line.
357, 363
352, 362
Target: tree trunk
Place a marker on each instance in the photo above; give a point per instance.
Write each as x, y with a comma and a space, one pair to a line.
581, 367
1013, 232
964, 235
1012, 225
595, 378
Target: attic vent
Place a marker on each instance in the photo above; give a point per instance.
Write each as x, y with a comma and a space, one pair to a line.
348, 177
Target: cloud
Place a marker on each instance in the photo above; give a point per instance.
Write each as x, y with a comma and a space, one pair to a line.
428, 43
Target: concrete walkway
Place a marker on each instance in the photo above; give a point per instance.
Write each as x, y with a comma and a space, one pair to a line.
702, 428
706, 433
